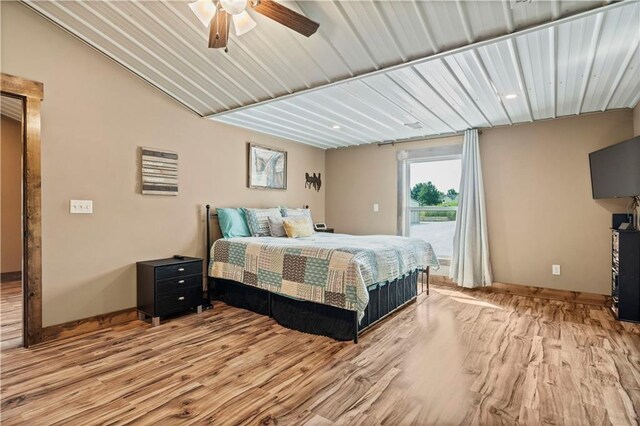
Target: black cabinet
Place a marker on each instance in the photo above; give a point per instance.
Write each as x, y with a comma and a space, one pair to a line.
169, 286
625, 275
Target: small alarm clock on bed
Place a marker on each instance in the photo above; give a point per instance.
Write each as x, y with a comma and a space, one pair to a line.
320, 226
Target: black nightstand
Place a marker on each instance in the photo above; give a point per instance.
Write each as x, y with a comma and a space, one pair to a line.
169, 286
330, 230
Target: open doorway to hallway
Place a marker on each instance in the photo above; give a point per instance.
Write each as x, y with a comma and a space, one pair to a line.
11, 206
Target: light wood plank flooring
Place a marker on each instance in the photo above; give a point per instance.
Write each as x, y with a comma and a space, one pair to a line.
10, 315
450, 358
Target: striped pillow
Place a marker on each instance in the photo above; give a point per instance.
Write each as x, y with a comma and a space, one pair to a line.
258, 220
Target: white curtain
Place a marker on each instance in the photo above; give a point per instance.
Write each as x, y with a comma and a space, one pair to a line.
470, 266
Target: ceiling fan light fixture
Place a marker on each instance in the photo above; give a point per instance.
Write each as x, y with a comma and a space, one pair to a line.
243, 23
205, 10
234, 7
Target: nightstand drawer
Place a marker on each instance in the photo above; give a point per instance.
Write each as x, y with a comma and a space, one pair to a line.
168, 286
177, 284
179, 270
178, 301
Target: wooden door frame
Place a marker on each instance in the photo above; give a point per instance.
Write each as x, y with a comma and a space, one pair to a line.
31, 93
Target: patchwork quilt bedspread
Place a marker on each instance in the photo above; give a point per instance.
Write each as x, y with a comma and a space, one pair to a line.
332, 269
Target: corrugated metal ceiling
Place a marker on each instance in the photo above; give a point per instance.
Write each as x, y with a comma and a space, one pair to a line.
164, 43
574, 66
11, 107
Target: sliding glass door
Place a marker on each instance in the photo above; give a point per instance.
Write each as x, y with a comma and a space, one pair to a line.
429, 183
433, 203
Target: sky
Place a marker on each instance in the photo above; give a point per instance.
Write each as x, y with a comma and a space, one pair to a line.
444, 174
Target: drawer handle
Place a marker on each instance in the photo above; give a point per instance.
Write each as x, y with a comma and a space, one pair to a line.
181, 282
181, 298
180, 269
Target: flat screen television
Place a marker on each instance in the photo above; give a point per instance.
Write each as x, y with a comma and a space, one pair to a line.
615, 170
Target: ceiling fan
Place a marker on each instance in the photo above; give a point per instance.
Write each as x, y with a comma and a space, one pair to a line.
218, 14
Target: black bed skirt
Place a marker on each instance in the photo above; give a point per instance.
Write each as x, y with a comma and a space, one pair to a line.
315, 318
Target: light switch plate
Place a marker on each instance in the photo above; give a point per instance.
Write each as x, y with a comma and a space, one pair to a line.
81, 206
555, 269
376, 207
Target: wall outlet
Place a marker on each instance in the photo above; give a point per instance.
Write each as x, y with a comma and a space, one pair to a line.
81, 206
376, 207
555, 269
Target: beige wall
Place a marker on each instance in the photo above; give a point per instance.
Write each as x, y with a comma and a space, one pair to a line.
11, 183
538, 194
636, 120
95, 115
361, 176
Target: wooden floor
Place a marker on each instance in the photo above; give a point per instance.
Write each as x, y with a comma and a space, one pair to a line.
10, 315
450, 358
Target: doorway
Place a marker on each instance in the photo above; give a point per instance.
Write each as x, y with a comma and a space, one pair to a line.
428, 189
11, 294
28, 291
434, 186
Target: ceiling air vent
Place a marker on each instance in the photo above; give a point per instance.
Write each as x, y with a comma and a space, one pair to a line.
415, 125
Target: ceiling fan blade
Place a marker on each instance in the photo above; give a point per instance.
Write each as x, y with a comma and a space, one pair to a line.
286, 17
219, 30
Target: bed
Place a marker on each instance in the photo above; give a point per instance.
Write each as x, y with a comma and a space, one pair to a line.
334, 285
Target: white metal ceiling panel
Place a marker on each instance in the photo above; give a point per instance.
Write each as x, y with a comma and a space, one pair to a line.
502, 63
486, 19
537, 57
260, 127
445, 22
418, 86
158, 49
397, 96
543, 69
536, 10
11, 107
381, 44
339, 34
319, 126
627, 92
573, 37
411, 35
469, 71
620, 30
446, 84
164, 43
272, 78
393, 114
372, 118
282, 123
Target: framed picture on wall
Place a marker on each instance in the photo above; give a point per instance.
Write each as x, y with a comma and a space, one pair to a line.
267, 167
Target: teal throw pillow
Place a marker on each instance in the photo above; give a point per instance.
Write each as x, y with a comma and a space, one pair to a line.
233, 223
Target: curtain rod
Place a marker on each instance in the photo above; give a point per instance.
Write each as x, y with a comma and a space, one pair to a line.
425, 138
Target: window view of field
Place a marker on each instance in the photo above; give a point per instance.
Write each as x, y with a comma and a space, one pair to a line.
433, 203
